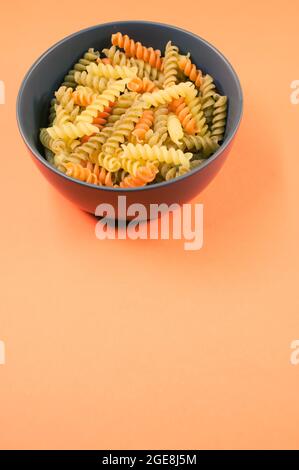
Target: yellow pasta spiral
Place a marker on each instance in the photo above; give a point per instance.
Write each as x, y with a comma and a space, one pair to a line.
116, 56
161, 154
55, 145
109, 95
64, 97
71, 130
170, 65
145, 70
175, 129
98, 84
109, 71
166, 96
132, 166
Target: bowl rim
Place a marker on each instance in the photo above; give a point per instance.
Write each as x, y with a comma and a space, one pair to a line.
162, 184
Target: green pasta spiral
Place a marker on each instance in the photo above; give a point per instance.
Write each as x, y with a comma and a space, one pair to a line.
89, 57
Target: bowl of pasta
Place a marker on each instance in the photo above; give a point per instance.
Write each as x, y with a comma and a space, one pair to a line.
131, 108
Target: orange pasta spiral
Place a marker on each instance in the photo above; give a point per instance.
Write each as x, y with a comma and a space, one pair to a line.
102, 117
104, 177
144, 124
136, 49
144, 175
140, 85
75, 170
181, 109
83, 96
190, 70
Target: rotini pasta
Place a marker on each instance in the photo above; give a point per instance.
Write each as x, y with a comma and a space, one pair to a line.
181, 109
111, 72
115, 56
143, 125
98, 84
112, 92
170, 66
175, 129
145, 70
89, 57
219, 117
156, 153
166, 96
109, 158
144, 175
136, 49
142, 85
189, 69
204, 144
128, 118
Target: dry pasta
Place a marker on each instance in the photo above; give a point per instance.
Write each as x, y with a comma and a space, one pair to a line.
127, 117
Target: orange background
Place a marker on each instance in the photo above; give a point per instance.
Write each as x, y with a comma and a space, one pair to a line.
140, 344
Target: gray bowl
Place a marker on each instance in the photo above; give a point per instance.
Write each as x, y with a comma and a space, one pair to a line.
46, 75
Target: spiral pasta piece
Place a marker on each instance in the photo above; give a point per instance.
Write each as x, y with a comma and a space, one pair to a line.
136, 49
89, 57
64, 97
115, 56
84, 96
144, 175
122, 130
219, 118
204, 144
175, 129
170, 65
108, 96
169, 171
169, 94
132, 166
70, 130
104, 177
194, 104
181, 109
161, 154
55, 145
98, 84
189, 69
145, 70
207, 90
143, 125
111, 72
90, 149
52, 110
75, 170
102, 116
160, 133
124, 102
142, 85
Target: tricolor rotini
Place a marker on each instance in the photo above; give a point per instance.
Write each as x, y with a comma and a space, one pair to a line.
127, 117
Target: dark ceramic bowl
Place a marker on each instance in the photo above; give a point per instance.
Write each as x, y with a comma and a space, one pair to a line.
46, 75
